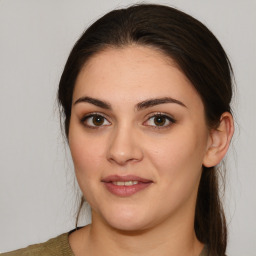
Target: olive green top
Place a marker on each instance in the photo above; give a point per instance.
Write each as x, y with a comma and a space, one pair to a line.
58, 246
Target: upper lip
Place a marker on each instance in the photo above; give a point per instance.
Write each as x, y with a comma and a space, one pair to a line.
113, 178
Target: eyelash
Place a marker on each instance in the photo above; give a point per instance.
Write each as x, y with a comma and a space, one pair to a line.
168, 118
91, 115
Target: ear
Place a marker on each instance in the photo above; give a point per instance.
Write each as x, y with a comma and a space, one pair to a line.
219, 140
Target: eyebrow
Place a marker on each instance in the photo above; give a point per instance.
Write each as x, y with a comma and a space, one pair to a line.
141, 105
157, 101
96, 102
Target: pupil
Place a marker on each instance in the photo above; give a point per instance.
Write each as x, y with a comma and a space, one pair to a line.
159, 120
98, 120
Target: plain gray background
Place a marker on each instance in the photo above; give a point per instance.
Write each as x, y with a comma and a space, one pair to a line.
37, 189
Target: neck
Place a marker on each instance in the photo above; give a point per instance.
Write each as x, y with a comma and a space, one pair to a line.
168, 238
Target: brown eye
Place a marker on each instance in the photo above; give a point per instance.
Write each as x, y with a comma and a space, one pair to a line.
94, 121
159, 120
98, 120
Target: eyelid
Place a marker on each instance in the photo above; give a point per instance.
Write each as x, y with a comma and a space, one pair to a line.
170, 118
92, 114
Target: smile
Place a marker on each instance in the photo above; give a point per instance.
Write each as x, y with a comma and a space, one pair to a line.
125, 183
125, 186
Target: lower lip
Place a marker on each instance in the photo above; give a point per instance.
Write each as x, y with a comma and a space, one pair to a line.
125, 191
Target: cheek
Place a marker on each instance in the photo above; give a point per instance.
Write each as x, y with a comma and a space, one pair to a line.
82, 153
179, 167
179, 157
87, 153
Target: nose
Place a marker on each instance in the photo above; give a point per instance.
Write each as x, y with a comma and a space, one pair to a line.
124, 146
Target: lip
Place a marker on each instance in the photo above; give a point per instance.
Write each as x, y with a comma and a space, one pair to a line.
112, 178
125, 191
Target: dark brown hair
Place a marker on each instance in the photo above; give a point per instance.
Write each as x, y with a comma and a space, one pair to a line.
201, 58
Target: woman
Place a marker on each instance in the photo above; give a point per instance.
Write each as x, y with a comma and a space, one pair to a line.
145, 96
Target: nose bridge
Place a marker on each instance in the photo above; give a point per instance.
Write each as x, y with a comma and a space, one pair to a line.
124, 145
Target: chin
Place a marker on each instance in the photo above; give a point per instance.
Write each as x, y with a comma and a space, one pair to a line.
127, 220
125, 226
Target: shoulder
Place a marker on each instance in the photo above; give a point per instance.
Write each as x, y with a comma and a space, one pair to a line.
58, 246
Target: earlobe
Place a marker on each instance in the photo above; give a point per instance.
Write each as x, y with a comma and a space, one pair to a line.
219, 141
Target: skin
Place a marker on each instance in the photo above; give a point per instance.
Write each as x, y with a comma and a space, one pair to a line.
158, 220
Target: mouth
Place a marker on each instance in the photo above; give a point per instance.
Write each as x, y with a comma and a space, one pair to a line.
125, 186
125, 183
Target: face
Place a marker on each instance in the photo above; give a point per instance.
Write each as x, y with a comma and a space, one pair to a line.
138, 138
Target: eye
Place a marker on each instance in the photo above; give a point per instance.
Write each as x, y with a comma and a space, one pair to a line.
160, 121
94, 121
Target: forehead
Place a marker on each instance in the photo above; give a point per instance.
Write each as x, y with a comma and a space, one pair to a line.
133, 73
